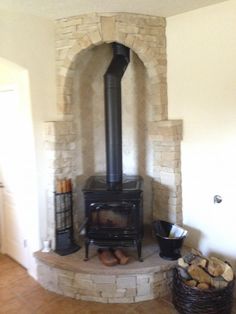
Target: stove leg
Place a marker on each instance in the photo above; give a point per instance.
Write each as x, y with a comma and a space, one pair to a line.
87, 242
139, 249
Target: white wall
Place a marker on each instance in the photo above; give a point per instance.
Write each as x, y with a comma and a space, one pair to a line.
201, 50
29, 43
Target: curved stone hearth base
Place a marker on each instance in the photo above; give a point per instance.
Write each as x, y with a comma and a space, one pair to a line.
92, 281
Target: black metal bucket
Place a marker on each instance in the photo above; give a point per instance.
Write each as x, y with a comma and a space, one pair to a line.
170, 238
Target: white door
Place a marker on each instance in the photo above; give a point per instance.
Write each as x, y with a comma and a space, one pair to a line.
14, 229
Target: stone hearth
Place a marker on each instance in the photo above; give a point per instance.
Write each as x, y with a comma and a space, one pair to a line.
92, 281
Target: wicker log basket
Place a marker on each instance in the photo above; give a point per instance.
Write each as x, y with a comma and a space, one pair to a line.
192, 300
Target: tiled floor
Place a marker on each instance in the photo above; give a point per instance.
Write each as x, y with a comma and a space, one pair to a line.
20, 294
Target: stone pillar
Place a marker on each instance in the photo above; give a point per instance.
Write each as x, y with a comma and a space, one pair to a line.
59, 153
167, 199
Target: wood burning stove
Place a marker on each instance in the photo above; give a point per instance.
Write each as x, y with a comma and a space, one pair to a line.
114, 216
114, 203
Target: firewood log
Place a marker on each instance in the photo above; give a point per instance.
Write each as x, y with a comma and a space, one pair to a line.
120, 255
107, 258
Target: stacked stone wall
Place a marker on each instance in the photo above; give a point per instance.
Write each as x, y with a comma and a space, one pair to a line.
106, 288
167, 136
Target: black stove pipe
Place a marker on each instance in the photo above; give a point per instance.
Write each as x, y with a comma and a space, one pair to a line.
113, 112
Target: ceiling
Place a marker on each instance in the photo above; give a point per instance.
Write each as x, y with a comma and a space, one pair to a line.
54, 9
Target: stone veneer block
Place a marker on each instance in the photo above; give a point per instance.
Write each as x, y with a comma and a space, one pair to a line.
108, 28
144, 289
118, 293
166, 130
94, 299
126, 282
95, 37
103, 279
84, 284
121, 300
144, 279
144, 298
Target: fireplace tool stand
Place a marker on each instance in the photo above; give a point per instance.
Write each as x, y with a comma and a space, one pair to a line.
64, 219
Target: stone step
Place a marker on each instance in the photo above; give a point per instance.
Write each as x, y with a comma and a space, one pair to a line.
92, 281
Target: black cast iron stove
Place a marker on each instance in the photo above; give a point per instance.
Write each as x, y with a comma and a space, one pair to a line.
115, 216
114, 203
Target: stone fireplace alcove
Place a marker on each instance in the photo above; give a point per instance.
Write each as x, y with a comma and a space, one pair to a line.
88, 112
75, 145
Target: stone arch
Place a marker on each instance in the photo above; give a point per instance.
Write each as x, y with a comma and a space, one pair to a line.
101, 34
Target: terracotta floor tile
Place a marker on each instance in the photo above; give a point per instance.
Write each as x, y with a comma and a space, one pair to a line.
6, 259
38, 297
8, 276
8, 279
158, 306
25, 286
15, 306
6, 294
103, 308
62, 305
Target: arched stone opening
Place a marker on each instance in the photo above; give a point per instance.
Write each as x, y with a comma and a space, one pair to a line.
159, 155
88, 116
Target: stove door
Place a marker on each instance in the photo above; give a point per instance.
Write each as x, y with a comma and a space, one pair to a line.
112, 216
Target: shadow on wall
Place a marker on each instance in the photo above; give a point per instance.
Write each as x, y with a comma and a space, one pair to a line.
194, 237
166, 201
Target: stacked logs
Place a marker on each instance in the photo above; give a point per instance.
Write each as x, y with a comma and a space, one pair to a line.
63, 186
204, 273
